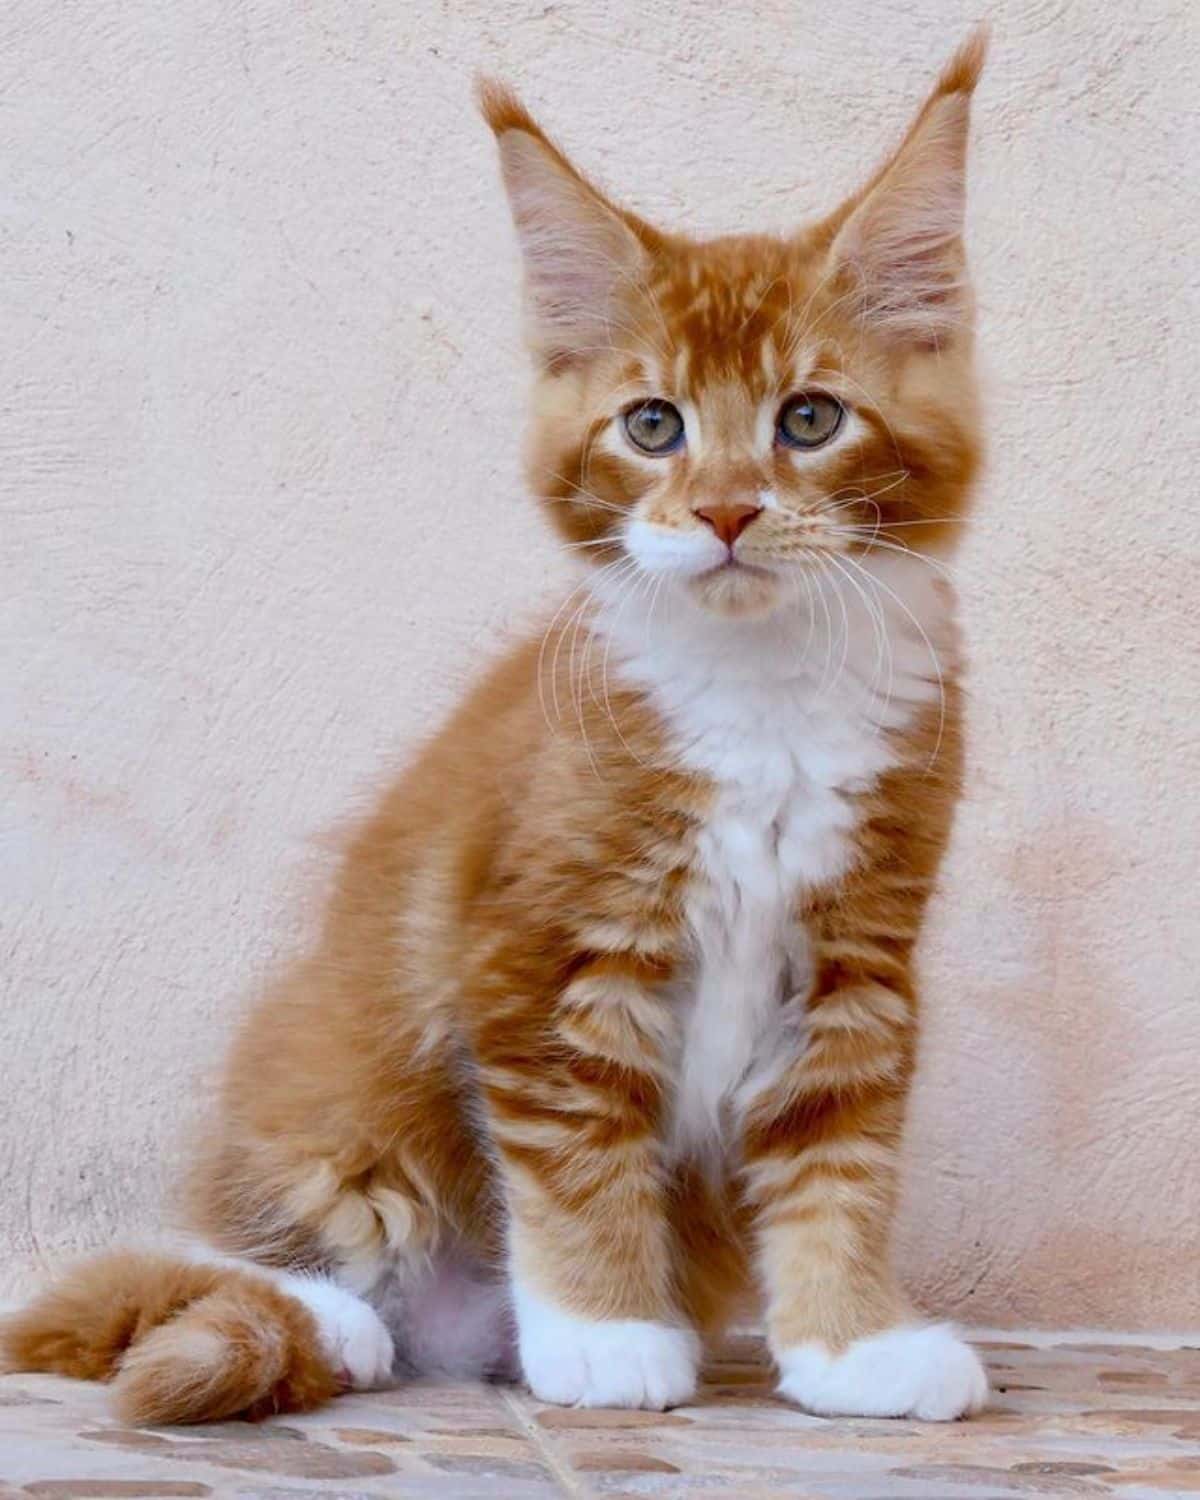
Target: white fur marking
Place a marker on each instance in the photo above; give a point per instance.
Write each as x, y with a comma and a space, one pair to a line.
351, 1332
626, 1362
923, 1371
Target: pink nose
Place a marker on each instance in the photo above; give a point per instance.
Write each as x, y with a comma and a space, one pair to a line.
728, 521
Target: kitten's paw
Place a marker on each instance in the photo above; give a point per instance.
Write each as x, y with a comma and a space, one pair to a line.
921, 1370
573, 1361
352, 1334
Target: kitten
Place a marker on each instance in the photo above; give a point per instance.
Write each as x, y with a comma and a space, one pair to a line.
610, 1025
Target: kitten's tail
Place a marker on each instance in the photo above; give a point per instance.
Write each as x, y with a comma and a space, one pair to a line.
180, 1342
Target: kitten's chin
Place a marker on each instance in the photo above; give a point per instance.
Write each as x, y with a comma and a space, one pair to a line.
737, 592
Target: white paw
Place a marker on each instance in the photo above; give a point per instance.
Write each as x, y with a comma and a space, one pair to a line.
352, 1335
576, 1362
922, 1370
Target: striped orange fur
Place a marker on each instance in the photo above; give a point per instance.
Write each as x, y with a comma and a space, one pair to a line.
614, 997
179, 1340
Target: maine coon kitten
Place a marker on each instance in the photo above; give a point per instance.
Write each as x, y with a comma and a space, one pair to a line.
611, 1020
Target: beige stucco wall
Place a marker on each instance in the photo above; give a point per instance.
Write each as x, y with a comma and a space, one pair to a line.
260, 403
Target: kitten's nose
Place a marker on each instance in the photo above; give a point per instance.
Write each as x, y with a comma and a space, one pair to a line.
728, 521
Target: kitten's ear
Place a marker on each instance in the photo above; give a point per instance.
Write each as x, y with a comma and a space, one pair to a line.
579, 249
897, 244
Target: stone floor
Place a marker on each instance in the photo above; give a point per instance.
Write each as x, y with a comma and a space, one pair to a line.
1066, 1419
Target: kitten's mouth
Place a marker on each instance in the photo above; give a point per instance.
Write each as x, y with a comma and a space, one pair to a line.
733, 565
734, 588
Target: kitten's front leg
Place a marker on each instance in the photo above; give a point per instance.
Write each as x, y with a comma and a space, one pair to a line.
574, 1095
821, 1143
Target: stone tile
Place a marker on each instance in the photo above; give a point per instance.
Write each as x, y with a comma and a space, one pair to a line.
1066, 1420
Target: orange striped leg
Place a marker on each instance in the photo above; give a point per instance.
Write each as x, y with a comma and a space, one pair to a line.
574, 1096
821, 1146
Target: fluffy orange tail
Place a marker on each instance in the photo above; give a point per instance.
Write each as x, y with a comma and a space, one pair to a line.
181, 1342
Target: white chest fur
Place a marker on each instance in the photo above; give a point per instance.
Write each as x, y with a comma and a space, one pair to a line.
788, 717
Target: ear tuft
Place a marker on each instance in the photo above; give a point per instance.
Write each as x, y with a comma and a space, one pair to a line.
501, 108
962, 72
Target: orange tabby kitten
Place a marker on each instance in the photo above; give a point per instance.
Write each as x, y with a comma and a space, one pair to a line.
612, 1017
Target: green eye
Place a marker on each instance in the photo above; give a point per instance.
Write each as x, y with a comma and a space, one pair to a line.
654, 426
809, 420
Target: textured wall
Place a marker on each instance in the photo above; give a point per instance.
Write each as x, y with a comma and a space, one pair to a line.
260, 404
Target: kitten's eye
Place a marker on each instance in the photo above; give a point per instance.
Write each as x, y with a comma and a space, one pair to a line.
809, 420
654, 426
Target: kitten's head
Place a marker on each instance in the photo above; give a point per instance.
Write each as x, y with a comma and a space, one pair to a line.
729, 413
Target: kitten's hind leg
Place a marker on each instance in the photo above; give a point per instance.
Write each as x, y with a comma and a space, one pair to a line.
354, 1338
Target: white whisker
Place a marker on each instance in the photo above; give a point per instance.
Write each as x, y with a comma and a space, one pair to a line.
933, 656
